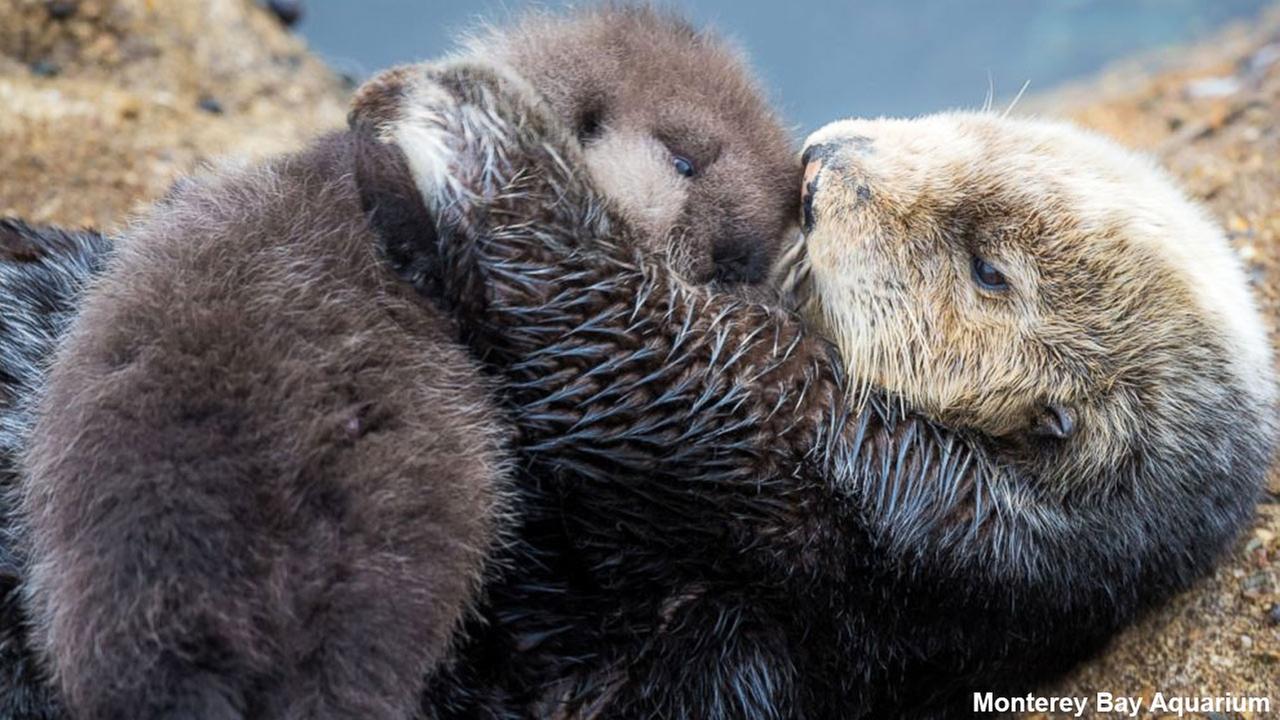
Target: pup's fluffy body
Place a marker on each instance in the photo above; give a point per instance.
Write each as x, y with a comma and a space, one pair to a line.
265, 480
726, 527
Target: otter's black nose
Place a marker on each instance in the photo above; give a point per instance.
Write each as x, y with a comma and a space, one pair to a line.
813, 158
806, 205
818, 151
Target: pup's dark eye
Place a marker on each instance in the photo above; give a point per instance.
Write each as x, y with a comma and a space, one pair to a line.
683, 165
590, 125
987, 276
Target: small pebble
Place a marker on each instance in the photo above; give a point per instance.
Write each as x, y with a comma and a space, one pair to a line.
210, 105
130, 110
1256, 582
1246, 642
289, 12
45, 68
62, 9
1264, 58
1273, 617
1214, 87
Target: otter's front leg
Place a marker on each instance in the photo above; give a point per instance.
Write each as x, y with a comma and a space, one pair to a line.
672, 402
617, 368
485, 158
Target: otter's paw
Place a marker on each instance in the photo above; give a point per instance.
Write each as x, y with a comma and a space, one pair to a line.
497, 182
480, 146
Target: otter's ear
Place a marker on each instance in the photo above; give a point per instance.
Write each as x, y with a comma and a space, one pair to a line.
1054, 421
395, 210
380, 101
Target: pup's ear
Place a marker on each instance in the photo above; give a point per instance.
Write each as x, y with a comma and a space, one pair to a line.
389, 196
379, 102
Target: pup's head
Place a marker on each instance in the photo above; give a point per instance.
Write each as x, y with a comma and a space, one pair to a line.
674, 130
1031, 281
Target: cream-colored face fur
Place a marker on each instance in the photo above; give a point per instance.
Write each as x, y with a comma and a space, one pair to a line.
1117, 291
636, 168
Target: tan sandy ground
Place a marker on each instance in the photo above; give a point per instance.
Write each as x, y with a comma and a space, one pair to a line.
122, 117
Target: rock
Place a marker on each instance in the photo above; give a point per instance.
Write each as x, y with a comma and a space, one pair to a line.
62, 9
1264, 58
131, 104
45, 68
1213, 87
210, 105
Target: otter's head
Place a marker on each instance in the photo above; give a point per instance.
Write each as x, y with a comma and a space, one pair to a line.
674, 131
1033, 282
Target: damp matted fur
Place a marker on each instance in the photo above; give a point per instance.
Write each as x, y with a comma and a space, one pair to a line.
724, 528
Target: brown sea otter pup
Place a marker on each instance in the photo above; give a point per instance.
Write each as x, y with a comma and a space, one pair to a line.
730, 517
266, 479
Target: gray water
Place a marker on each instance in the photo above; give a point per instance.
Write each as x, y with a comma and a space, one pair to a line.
824, 59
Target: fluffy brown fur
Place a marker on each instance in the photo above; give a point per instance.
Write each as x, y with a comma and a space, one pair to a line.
643, 88
264, 481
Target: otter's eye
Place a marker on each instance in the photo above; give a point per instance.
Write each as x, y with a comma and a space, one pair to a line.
987, 276
590, 125
683, 165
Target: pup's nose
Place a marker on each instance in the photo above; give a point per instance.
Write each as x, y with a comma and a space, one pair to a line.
739, 260
812, 159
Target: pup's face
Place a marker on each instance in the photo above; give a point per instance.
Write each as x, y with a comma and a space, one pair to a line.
674, 132
1021, 278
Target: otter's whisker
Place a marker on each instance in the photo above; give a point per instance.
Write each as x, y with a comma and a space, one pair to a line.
1016, 98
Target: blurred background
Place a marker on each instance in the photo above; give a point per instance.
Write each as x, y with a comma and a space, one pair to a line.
824, 59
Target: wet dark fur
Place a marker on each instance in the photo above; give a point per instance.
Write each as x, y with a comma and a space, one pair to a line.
250, 540
42, 273
715, 532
